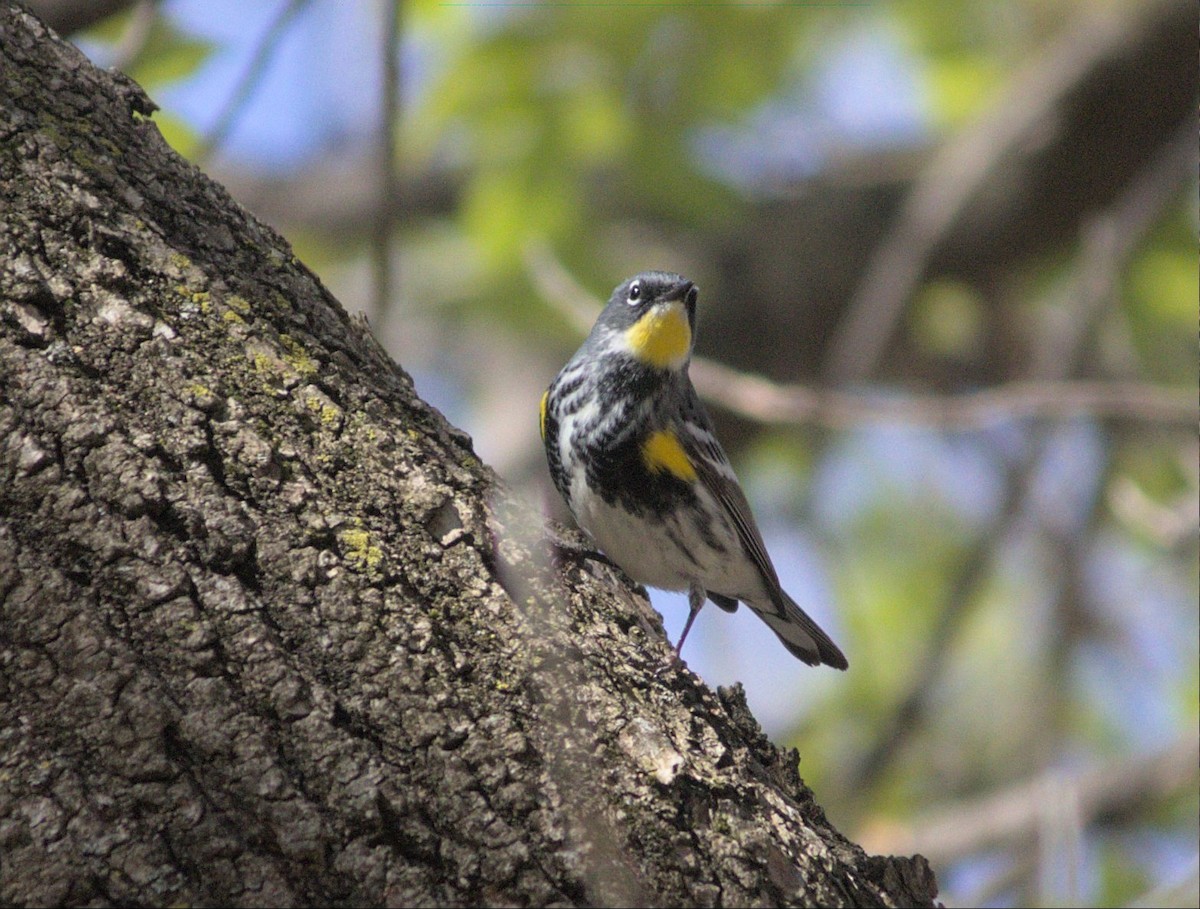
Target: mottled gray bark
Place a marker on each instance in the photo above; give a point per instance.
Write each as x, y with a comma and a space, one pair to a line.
270, 634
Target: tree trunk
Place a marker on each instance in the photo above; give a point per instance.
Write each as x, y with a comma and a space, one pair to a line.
270, 633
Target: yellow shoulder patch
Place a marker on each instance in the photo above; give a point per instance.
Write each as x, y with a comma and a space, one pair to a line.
663, 453
661, 337
542, 416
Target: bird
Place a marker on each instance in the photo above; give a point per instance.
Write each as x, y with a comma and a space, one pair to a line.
633, 453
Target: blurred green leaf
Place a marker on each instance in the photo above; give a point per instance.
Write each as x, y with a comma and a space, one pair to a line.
961, 84
168, 56
947, 318
178, 132
1166, 284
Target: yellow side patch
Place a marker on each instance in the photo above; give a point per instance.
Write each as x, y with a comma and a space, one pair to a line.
661, 337
542, 416
662, 453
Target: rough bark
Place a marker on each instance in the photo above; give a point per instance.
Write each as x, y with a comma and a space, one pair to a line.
271, 634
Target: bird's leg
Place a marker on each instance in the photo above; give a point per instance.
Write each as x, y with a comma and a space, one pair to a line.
696, 597
567, 549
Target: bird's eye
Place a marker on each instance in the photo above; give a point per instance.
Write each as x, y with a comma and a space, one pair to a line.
635, 292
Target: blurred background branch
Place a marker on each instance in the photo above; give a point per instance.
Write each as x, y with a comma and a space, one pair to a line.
1106, 793
1059, 350
389, 179
235, 104
777, 404
134, 41
1009, 138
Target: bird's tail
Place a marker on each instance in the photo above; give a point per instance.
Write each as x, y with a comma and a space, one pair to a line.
800, 634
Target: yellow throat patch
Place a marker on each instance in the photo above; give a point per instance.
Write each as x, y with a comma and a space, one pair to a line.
542, 415
661, 337
663, 453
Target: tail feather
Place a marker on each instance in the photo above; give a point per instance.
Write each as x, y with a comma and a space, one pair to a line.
801, 635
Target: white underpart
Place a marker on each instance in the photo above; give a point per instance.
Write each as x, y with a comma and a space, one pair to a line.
649, 553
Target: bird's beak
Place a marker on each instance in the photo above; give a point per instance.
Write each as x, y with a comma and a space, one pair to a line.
678, 292
685, 292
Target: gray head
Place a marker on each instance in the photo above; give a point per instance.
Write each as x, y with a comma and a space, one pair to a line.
652, 317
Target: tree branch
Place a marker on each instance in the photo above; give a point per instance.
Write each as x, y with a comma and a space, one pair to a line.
774, 404
271, 634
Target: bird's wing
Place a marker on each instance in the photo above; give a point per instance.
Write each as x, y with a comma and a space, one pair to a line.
716, 475
803, 637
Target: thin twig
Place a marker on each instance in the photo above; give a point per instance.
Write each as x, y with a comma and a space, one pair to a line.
132, 43
389, 179
776, 404
559, 288
251, 76
1109, 241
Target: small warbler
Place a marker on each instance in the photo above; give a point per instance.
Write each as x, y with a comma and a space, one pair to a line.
632, 451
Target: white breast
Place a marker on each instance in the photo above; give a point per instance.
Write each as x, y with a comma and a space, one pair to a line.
650, 552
